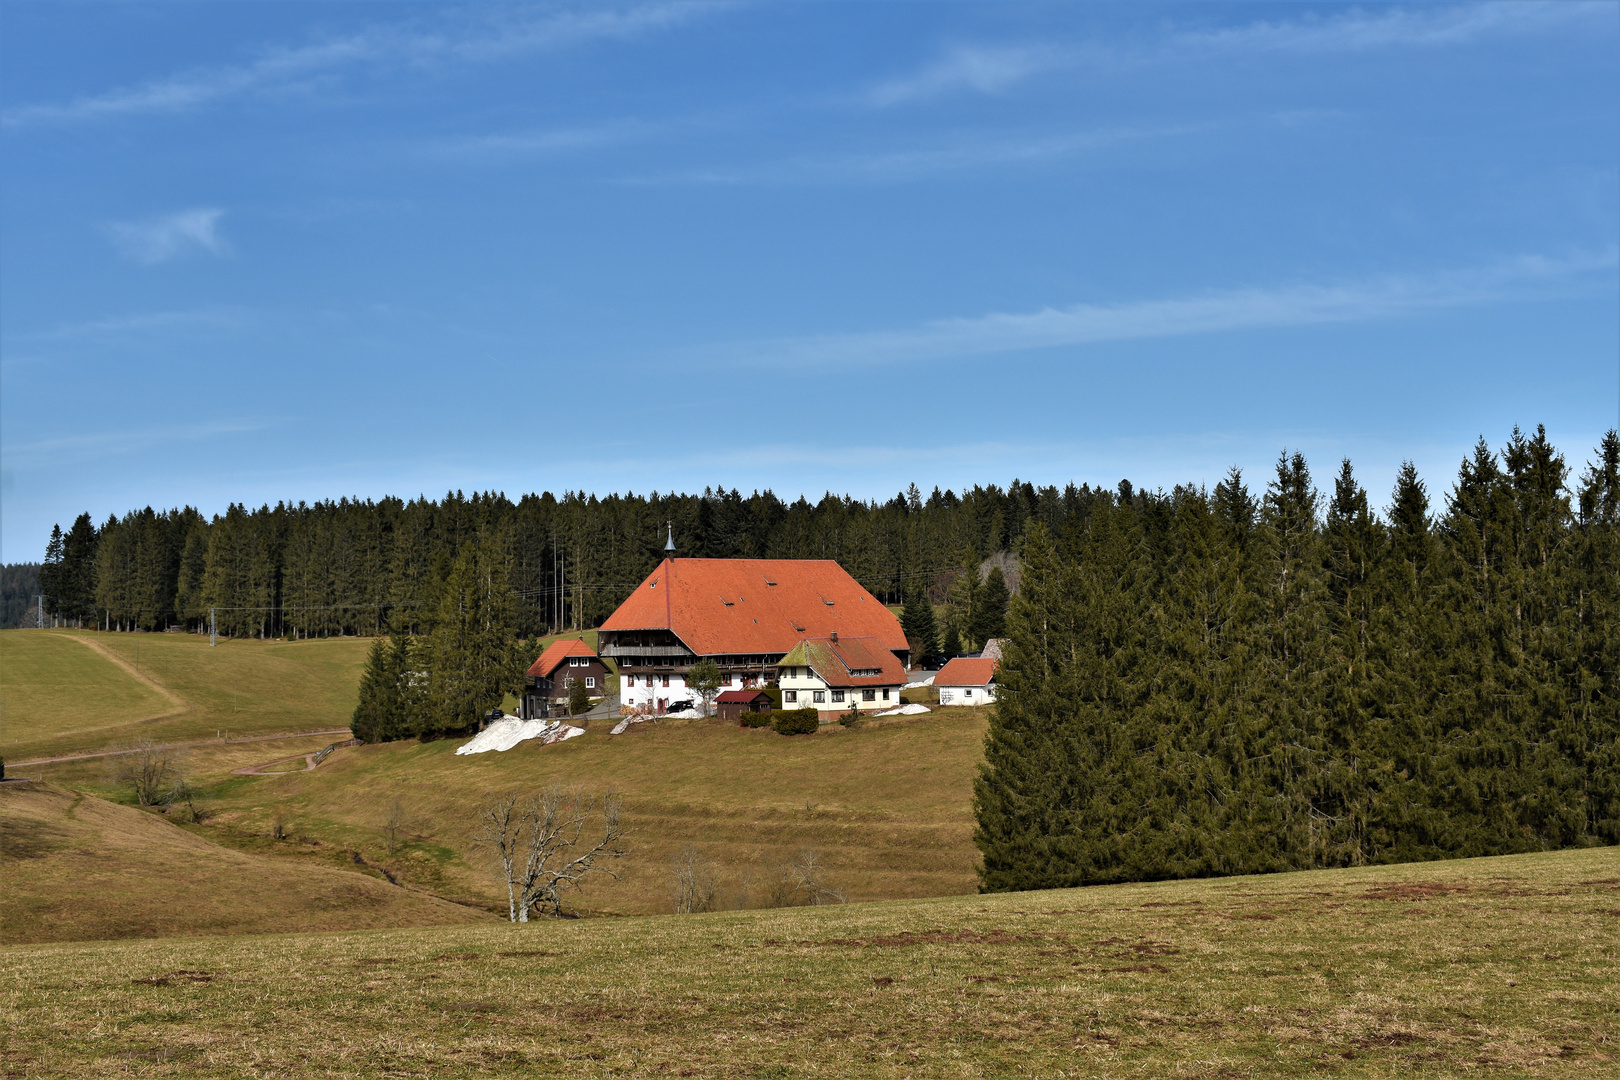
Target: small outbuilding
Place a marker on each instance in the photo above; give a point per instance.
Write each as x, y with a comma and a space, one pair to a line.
733, 703
967, 681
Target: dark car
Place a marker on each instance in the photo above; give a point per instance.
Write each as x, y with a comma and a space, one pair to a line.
679, 706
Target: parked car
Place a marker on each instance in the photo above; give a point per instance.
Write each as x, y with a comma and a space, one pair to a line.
680, 706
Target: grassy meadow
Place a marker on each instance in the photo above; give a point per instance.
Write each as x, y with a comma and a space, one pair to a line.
887, 804
79, 868
1486, 967
64, 691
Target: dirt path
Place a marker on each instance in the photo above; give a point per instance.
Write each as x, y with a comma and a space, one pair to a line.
184, 745
267, 768
180, 704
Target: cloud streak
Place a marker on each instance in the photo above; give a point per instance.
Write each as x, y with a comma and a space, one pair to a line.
995, 69
160, 239
419, 45
1407, 27
91, 445
1210, 313
982, 69
966, 152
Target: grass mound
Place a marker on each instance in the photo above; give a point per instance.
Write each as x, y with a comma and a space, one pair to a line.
79, 868
1485, 967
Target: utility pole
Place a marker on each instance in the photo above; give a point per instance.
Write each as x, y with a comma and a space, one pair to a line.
39, 611
213, 630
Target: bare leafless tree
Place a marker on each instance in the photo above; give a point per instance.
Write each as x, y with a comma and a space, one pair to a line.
395, 825
542, 846
697, 883
809, 872
150, 768
500, 826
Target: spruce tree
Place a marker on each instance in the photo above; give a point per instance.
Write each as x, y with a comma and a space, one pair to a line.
917, 622
990, 608
379, 695
475, 652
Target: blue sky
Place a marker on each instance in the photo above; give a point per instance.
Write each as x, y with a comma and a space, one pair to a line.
295, 251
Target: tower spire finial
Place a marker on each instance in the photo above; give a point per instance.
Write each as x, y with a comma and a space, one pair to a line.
669, 544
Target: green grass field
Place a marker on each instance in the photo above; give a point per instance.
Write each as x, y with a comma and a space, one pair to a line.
77, 691
1487, 967
53, 687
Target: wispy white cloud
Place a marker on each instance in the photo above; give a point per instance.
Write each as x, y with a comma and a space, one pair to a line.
125, 325
965, 151
92, 444
996, 68
1209, 313
1413, 26
984, 69
492, 34
160, 239
542, 142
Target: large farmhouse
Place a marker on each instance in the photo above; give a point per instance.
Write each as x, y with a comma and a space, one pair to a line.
746, 614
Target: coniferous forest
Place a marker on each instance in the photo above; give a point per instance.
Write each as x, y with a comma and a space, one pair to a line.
1196, 681
1238, 681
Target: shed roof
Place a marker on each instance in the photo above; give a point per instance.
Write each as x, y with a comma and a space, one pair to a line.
967, 671
837, 662
556, 653
744, 696
747, 606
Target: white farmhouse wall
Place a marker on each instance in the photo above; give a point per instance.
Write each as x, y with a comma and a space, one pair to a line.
803, 684
644, 698
967, 695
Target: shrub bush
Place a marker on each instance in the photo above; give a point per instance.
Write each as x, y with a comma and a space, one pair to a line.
755, 719
795, 721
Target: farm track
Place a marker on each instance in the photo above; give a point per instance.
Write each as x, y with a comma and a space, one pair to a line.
186, 745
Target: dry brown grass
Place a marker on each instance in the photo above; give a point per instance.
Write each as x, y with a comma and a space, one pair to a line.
887, 804
1490, 967
78, 868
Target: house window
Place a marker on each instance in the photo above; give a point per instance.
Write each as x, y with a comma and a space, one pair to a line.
590, 683
967, 693
838, 695
790, 695
885, 695
820, 695
870, 695
665, 678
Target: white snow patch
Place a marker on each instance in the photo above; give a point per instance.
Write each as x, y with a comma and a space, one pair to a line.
508, 731
904, 710
926, 682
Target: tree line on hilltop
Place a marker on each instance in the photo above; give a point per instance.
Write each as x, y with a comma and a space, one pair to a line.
356, 566
1228, 682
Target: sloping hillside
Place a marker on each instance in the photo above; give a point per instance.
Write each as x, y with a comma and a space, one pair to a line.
76, 691
887, 806
79, 868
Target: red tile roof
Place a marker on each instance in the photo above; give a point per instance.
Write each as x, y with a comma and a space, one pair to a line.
556, 653
746, 606
966, 672
744, 696
836, 662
